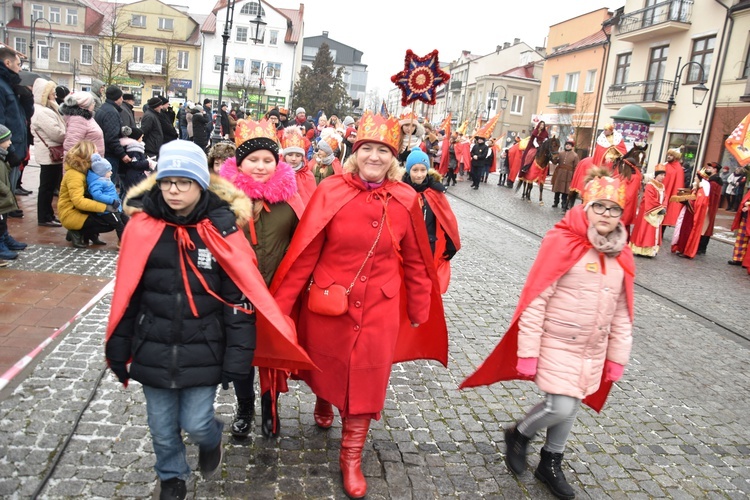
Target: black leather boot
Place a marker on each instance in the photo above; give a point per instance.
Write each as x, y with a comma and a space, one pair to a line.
243, 418
270, 424
515, 450
550, 473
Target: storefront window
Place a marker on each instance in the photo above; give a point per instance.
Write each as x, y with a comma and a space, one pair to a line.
690, 141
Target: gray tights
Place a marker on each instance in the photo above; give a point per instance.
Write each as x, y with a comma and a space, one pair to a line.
557, 414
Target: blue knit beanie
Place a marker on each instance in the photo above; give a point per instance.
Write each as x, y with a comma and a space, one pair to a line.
183, 159
417, 156
99, 165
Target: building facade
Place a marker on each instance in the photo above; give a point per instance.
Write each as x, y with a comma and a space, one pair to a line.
571, 81
344, 56
651, 46
261, 65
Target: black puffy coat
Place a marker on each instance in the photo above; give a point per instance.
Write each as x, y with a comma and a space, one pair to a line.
153, 135
200, 134
171, 348
108, 118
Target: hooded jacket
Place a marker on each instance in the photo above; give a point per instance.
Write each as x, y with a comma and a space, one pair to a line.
80, 126
11, 112
73, 206
47, 125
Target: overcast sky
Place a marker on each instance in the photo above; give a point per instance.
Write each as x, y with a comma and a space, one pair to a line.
384, 29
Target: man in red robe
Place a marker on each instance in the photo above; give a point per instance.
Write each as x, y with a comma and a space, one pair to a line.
646, 237
714, 197
610, 145
674, 180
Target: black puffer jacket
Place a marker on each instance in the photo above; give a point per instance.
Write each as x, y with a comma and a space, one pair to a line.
108, 118
169, 346
153, 134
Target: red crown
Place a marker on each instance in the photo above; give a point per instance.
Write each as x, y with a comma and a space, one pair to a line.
376, 128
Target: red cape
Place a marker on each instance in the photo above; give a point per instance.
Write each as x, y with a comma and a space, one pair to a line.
600, 151
738, 215
276, 345
632, 189
673, 180
514, 162
430, 339
714, 197
563, 246
645, 235
583, 167
700, 209
465, 154
305, 184
446, 219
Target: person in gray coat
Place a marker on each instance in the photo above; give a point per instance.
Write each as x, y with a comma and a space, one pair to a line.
126, 113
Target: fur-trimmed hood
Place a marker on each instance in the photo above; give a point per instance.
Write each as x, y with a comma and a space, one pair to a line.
282, 185
66, 110
238, 202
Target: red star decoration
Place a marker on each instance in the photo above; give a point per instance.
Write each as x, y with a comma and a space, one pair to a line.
420, 78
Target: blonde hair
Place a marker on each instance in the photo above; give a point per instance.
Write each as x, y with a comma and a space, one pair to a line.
79, 156
393, 173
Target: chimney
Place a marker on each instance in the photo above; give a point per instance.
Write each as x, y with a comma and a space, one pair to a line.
506, 45
325, 34
498, 48
516, 41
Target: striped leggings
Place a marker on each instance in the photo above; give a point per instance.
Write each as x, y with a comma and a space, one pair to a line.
557, 414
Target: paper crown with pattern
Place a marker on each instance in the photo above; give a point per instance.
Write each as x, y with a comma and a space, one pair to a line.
250, 129
377, 128
604, 188
408, 116
292, 141
489, 127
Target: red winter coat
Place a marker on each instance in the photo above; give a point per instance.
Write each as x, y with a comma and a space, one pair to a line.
357, 349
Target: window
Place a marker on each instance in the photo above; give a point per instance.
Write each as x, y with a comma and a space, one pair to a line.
165, 23
251, 9
138, 21
63, 52
183, 59
54, 15
241, 34
239, 65
703, 53
590, 80
87, 54
273, 71
623, 68
656, 67
217, 63
745, 70
553, 83
160, 56
690, 143
516, 106
157, 90
571, 82
273, 39
117, 54
21, 45
37, 11
17, 12
71, 17
138, 54
254, 68
42, 51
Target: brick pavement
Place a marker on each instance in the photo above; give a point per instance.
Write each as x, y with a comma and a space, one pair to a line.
676, 426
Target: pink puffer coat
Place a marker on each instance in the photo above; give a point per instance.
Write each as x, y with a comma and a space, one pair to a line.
574, 325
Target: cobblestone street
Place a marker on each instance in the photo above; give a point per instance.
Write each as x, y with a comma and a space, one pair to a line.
675, 426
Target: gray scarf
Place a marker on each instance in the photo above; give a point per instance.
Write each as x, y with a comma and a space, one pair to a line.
611, 244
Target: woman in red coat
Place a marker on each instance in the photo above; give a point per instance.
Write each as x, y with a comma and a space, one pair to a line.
356, 314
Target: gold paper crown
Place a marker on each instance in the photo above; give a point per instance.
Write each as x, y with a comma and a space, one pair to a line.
408, 116
376, 128
292, 138
604, 188
250, 129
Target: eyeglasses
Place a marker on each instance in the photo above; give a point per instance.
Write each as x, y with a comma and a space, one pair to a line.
599, 209
182, 185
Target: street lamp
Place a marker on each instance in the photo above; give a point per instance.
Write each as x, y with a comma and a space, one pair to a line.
492, 96
699, 94
260, 25
50, 38
75, 72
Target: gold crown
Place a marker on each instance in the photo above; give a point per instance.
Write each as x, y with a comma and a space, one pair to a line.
408, 116
604, 188
376, 128
250, 129
293, 138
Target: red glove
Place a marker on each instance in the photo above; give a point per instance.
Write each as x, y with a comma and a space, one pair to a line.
526, 367
612, 371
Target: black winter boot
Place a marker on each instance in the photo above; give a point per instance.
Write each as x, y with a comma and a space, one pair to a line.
173, 489
243, 418
209, 460
550, 473
269, 425
515, 450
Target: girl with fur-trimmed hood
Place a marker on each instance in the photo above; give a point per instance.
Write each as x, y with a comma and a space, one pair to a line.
183, 311
442, 227
276, 209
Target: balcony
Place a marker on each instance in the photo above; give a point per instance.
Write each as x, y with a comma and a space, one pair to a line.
135, 68
563, 99
652, 94
661, 19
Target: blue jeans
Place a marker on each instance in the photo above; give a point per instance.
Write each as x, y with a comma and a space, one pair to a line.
183, 133
172, 410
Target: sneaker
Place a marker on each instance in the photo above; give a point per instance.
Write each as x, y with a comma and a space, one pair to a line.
6, 253
12, 243
49, 223
4, 263
173, 489
21, 192
734, 262
209, 461
16, 214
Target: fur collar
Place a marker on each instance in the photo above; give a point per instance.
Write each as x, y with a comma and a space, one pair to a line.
75, 111
238, 202
280, 187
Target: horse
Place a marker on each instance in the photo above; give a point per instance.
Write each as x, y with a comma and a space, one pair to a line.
536, 170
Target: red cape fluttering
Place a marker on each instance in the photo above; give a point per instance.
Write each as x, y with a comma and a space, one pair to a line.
276, 344
446, 219
430, 339
563, 246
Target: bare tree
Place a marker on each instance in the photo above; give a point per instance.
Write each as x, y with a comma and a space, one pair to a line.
108, 61
582, 120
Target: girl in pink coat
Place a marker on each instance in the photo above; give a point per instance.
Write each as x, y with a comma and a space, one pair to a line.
571, 333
